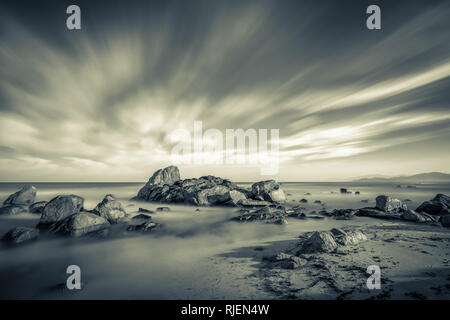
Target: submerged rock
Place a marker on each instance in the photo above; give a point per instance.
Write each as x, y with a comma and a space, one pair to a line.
163, 209
24, 196
144, 227
81, 224
111, 209
142, 217
12, 209
37, 207
344, 214
145, 210
21, 235
59, 208
304, 200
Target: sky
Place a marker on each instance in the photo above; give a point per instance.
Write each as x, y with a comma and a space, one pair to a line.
102, 103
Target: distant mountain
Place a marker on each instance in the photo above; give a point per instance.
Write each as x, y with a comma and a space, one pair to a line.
430, 177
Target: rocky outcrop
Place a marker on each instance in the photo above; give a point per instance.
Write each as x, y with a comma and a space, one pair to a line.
24, 196
420, 217
111, 209
81, 224
37, 207
269, 190
20, 235
166, 186
342, 214
59, 208
12, 209
439, 205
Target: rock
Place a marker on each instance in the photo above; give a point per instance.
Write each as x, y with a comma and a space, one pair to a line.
269, 190
411, 187
304, 200
12, 210
377, 213
80, 224
388, 204
439, 205
343, 190
144, 227
24, 196
317, 201
286, 261
161, 209
213, 196
319, 241
266, 214
344, 214
365, 201
445, 221
253, 203
142, 217
348, 237
111, 209
37, 207
407, 200
411, 215
168, 175
307, 194
357, 193
236, 196
145, 210
21, 235
59, 208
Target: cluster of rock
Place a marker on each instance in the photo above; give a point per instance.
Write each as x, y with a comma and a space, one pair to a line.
66, 215
165, 185
432, 212
316, 243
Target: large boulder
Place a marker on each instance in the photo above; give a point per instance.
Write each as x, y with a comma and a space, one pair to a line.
166, 176
21, 235
81, 224
269, 190
12, 209
388, 204
38, 207
439, 205
144, 227
59, 208
24, 196
319, 241
111, 209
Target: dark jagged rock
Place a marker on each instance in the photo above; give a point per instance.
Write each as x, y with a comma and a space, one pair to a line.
24, 196
304, 200
420, 217
21, 235
377, 213
318, 201
111, 209
12, 209
445, 221
253, 203
59, 208
439, 205
142, 217
343, 214
80, 224
144, 227
163, 209
38, 207
269, 190
145, 210
266, 214
357, 193
343, 190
